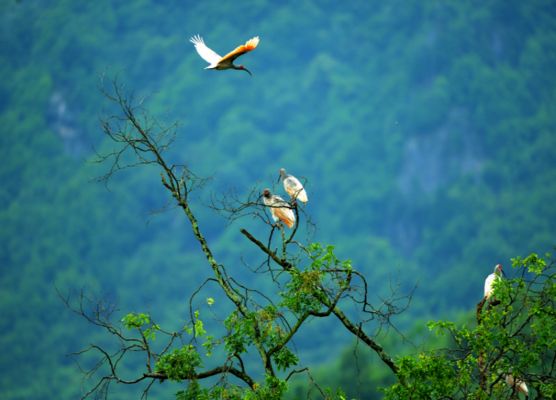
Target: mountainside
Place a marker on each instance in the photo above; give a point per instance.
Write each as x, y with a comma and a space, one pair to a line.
424, 132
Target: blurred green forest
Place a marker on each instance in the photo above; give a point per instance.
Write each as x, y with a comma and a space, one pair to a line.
425, 132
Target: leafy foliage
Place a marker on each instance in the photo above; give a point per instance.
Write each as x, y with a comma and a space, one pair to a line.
516, 335
139, 321
180, 364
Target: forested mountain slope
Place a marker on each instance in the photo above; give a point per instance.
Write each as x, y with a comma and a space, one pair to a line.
424, 130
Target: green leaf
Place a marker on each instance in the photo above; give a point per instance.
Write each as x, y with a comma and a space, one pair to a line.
180, 363
136, 320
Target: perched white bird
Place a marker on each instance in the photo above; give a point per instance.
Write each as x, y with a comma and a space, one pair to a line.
279, 208
489, 281
227, 62
293, 187
518, 385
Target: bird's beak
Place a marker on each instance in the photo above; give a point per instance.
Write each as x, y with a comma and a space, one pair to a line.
503, 273
246, 70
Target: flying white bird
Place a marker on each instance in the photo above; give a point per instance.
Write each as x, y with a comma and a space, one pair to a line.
489, 281
293, 187
279, 208
517, 385
227, 62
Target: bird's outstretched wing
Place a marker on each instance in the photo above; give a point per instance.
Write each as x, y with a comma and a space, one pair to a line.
251, 44
206, 54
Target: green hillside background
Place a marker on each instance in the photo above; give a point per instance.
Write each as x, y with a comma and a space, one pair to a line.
425, 132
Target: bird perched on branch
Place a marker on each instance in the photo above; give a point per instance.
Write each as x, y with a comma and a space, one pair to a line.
489, 281
293, 187
279, 208
226, 62
517, 385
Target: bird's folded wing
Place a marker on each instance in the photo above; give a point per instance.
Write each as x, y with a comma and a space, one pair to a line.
293, 185
206, 54
285, 215
244, 48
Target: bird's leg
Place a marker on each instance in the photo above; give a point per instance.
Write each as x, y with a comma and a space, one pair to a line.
276, 224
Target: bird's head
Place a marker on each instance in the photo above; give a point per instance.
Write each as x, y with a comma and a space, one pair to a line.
498, 270
266, 193
282, 174
241, 67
